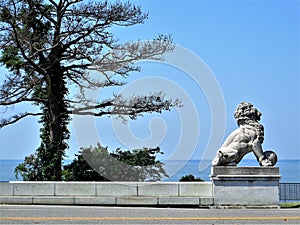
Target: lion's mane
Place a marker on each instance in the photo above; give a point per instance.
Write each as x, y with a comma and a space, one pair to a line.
246, 114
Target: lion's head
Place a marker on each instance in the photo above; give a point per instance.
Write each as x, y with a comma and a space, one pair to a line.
246, 114
246, 111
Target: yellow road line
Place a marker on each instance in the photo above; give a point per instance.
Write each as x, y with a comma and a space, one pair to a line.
148, 218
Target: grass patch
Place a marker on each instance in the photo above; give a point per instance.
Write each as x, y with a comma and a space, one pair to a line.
290, 205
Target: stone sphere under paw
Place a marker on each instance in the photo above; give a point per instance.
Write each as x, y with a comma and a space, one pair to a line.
271, 157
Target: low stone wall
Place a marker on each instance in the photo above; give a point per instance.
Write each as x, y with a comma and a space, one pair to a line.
230, 187
108, 193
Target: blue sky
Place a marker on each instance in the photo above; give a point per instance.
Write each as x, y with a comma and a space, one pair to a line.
247, 51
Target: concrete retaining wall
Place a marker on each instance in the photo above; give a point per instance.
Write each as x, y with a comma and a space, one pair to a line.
108, 193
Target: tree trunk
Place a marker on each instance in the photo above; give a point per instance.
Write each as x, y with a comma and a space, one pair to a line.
59, 119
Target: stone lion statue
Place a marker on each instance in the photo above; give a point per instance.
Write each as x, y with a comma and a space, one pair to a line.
247, 138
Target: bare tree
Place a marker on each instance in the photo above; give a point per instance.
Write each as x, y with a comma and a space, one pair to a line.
51, 45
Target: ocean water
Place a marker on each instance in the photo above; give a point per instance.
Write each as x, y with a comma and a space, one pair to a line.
289, 169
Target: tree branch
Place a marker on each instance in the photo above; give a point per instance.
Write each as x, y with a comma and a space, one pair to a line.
16, 118
7, 103
132, 107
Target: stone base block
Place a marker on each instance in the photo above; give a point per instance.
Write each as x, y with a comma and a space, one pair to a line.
137, 201
179, 201
116, 189
206, 201
75, 188
6, 189
24, 200
33, 188
248, 186
195, 189
80, 200
158, 189
53, 200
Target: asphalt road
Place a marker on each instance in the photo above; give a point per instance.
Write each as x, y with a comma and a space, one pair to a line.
37, 214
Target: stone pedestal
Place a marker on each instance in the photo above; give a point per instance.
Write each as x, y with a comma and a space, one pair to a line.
245, 186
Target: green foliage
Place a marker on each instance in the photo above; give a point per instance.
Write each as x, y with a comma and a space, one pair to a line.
189, 177
29, 169
290, 205
11, 59
80, 170
97, 164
